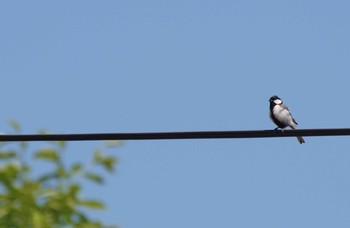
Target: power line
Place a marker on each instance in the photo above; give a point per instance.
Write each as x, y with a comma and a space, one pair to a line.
176, 135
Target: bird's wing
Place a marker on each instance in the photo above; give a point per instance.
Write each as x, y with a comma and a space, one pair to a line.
295, 121
286, 107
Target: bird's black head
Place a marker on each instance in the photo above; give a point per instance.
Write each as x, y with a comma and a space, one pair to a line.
273, 98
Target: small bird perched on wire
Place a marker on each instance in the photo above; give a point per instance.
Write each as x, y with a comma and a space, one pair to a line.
281, 116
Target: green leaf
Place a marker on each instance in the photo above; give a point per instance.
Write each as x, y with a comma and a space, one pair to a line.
92, 204
62, 144
44, 132
48, 177
47, 192
8, 154
25, 168
108, 162
94, 177
47, 154
74, 190
9, 171
38, 219
113, 143
14, 125
76, 168
61, 172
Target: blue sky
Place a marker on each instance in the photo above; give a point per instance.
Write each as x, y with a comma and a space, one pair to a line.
187, 65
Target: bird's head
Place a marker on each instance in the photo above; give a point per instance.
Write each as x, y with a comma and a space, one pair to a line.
275, 100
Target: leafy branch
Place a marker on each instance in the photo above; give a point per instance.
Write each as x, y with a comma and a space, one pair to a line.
53, 199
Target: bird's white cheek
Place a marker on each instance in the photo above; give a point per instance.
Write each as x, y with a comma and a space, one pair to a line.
277, 101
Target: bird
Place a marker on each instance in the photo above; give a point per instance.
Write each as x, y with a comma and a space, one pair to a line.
281, 116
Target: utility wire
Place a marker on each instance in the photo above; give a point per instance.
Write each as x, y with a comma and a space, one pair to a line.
177, 135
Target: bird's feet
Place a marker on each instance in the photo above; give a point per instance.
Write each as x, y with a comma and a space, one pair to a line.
279, 129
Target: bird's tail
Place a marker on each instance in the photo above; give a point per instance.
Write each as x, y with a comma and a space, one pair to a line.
300, 139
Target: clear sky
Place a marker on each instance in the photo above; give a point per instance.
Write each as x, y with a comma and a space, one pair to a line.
190, 65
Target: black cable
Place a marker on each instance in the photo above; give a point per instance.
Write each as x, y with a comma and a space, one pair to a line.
177, 135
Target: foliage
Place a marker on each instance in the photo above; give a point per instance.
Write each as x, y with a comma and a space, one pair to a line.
51, 199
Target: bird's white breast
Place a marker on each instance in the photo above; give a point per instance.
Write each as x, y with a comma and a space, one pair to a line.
283, 115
